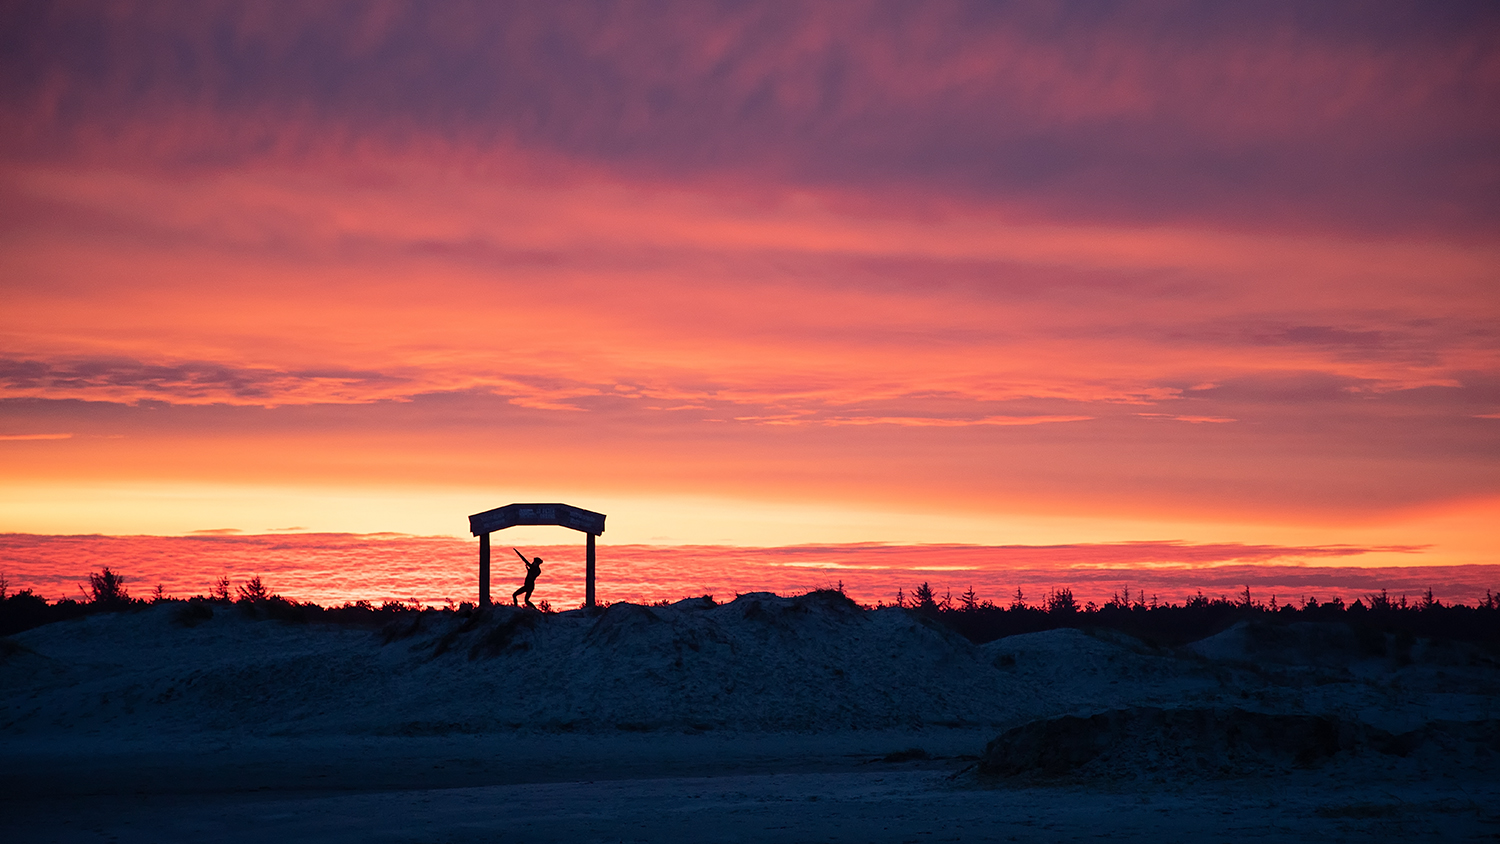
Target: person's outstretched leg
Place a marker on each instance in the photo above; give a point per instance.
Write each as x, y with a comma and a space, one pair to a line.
516, 594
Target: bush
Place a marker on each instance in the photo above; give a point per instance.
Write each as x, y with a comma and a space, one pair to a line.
193, 613
23, 611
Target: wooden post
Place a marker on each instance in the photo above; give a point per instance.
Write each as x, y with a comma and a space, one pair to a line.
484, 569
589, 575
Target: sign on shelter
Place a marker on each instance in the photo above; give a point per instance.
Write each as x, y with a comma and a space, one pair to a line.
511, 515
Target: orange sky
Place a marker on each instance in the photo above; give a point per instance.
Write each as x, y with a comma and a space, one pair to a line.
760, 275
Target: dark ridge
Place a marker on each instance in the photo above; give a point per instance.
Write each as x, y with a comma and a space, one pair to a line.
1373, 618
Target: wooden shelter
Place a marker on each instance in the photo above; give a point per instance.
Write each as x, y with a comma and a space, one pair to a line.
564, 515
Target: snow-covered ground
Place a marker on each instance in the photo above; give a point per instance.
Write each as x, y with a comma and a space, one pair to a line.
765, 719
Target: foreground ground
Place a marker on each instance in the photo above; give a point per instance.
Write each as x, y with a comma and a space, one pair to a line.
686, 788
768, 719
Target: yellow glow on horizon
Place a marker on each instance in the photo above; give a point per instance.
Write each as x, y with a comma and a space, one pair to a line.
1461, 533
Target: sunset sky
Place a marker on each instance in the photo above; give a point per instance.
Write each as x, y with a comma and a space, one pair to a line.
757, 273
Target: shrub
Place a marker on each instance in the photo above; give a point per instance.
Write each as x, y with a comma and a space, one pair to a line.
193, 613
280, 609
23, 611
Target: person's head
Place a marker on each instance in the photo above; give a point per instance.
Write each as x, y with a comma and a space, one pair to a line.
536, 561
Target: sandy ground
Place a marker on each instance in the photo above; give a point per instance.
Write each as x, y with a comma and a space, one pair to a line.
135, 728
683, 788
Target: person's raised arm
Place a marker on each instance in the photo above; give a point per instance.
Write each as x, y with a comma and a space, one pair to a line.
522, 556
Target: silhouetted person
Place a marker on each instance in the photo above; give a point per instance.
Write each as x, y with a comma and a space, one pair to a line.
533, 568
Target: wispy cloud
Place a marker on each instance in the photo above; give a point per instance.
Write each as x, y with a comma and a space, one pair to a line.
187, 382
922, 422
1196, 420
35, 436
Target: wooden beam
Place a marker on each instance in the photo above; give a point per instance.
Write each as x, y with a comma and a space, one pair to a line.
484, 570
566, 515
589, 575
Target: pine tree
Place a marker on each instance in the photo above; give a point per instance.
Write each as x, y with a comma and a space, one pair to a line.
969, 601
1061, 601
106, 587
253, 590
923, 597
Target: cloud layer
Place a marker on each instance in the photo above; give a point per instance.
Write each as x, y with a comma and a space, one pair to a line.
1077, 258
333, 568
1159, 111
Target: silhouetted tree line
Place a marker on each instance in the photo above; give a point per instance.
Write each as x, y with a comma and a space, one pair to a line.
1164, 623
1155, 622
105, 591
